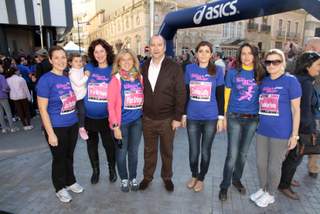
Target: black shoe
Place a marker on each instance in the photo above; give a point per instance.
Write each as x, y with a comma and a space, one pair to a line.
313, 175
290, 193
144, 184
238, 185
112, 174
95, 175
223, 194
168, 185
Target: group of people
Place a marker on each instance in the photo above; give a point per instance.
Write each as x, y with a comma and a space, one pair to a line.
120, 100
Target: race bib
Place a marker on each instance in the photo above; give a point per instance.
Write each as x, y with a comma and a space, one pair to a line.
200, 91
269, 104
98, 92
133, 99
68, 103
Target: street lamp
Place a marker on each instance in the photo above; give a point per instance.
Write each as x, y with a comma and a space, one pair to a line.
39, 3
78, 24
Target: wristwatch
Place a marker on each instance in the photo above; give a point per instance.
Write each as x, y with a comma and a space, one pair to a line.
115, 125
296, 137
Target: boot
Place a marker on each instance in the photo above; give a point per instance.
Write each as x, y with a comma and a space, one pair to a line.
95, 175
112, 174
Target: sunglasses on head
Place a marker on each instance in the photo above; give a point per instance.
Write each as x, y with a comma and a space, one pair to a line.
273, 62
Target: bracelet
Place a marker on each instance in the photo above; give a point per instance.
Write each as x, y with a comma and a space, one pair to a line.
297, 137
220, 117
115, 125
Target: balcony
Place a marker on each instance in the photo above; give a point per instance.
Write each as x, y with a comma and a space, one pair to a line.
293, 35
288, 35
265, 28
252, 27
281, 34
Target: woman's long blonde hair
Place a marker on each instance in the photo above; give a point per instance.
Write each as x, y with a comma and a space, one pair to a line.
116, 67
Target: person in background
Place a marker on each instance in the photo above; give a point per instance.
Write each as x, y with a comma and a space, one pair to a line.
78, 79
21, 97
57, 103
307, 67
218, 61
125, 111
5, 107
241, 107
279, 116
204, 112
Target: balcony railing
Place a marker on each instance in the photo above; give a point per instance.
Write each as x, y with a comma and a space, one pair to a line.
288, 35
265, 28
252, 27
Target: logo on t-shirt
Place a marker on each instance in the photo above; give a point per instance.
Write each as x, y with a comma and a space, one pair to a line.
98, 92
200, 91
133, 96
246, 88
68, 103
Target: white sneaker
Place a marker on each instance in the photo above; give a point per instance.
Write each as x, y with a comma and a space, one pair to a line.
125, 185
64, 195
76, 188
4, 131
14, 129
134, 185
30, 127
265, 200
26, 128
256, 195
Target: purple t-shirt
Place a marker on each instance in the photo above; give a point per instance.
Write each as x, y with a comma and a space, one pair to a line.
61, 99
202, 104
275, 115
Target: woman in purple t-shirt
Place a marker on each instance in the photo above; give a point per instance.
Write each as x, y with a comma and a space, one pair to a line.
56, 101
279, 116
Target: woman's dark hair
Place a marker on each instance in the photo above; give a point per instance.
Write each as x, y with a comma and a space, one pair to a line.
259, 72
11, 71
211, 66
304, 61
55, 48
106, 46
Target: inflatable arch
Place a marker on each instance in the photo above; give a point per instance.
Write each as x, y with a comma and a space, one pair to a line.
224, 11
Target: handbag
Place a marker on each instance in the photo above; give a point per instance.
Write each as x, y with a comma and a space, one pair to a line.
308, 144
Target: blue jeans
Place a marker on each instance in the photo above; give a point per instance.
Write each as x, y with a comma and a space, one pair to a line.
200, 133
240, 132
131, 137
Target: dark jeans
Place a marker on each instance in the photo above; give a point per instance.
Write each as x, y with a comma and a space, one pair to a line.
240, 133
81, 112
23, 111
200, 133
62, 156
95, 127
289, 167
131, 137
152, 131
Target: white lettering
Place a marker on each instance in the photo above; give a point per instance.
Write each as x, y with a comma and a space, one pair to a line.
218, 11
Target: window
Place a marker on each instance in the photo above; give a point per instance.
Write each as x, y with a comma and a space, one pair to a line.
288, 27
280, 24
278, 45
265, 20
232, 29
297, 27
239, 30
138, 20
225, 30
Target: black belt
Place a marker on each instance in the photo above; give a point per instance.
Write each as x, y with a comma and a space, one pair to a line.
244, 115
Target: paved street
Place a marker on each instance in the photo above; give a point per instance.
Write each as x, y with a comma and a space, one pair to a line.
25, 183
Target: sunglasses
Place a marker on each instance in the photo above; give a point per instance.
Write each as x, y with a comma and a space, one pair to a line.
273, 62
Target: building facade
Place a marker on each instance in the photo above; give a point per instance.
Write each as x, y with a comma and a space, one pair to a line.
20, 21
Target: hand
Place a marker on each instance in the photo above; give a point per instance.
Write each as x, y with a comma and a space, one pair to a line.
87, 73
292, 143
184, 122
175, 124
53, 140
117, 133
220, 125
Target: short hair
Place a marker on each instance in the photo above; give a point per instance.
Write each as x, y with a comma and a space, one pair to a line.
162, 38
55, 48
72, 56
311, 43
279, 53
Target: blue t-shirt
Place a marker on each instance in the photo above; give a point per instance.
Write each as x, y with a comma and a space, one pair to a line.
275, 116
61, 99
132, 100
96, 99
244, 91
24, 71
202, 104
